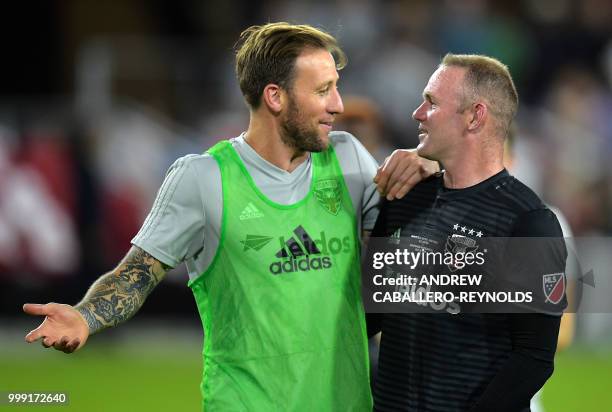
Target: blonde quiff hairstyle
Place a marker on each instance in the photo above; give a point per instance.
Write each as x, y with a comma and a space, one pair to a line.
266, 54
489, 79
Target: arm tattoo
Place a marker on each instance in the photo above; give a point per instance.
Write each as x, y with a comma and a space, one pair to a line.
118, 295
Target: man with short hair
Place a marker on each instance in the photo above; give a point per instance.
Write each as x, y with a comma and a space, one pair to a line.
468, 361
268, 225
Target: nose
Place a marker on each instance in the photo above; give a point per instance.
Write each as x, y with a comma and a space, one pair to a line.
419, 113
335, 105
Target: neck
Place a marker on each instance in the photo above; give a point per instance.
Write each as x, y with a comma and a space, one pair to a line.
264, 137
469, 169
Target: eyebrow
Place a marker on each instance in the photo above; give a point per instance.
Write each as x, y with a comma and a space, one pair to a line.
427, 96
325, 84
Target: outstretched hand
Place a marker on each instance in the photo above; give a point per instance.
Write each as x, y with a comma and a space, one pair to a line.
64, 327
401, 171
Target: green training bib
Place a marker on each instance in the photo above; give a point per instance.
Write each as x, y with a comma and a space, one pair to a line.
281, 302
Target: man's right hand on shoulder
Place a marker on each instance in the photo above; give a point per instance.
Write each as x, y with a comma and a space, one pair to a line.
64, 327
401, 171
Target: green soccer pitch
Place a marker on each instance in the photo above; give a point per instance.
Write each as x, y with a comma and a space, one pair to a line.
108, 375
164, 376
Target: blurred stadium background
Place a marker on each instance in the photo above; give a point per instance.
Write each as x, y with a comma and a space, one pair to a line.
98, 98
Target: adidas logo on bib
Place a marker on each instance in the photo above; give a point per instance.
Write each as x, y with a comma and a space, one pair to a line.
250, 212
299, 254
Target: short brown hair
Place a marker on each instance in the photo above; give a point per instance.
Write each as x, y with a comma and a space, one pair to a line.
267, 54
490, 79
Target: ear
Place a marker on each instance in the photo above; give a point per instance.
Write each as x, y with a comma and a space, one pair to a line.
272, 97
478, 115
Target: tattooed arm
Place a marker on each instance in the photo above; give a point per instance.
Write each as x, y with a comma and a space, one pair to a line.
112, 299
118, 295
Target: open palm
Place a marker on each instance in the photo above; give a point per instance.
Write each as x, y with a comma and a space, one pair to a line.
63, 328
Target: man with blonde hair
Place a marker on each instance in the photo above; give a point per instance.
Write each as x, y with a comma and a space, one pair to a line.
268, 224
450, 360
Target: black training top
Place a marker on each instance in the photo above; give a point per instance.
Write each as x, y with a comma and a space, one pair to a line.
465, 362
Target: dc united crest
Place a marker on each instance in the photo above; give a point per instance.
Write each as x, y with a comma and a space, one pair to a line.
554, 287
459, 244
327, 192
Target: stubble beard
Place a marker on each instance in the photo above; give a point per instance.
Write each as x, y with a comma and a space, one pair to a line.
297, 135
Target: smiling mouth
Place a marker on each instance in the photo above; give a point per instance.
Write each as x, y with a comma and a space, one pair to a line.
326, 124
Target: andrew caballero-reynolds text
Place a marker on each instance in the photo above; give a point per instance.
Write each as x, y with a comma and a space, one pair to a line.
432, 288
